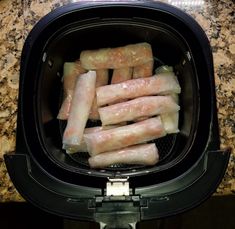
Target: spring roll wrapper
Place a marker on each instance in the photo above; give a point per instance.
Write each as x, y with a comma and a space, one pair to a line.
175, 97
83, 147
120, 57
121, 74
162, 84
143, 70
173, 117
164, 68
170, 122
102, 78
137, 108
146, 154
84, 94
143, 118
124, 136
71, 72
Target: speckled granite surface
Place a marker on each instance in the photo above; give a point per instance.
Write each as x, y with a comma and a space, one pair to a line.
17, 17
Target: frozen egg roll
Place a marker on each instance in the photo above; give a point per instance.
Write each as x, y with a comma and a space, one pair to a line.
137, 108
120, 137
71, 71
119, 57
162, 84
146, 154
83, 97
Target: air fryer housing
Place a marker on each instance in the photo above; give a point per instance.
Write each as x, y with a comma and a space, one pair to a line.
191, 165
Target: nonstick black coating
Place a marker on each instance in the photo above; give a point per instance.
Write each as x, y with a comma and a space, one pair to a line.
167, 48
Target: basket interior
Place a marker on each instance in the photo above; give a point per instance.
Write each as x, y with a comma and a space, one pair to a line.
168, 48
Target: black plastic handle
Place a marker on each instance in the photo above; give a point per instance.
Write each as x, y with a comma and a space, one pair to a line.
73, 201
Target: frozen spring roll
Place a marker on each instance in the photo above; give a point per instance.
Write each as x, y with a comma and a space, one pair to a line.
137, 108
121, 74
162, 84
84, 94
120, 57
71, 72
120, 137
102, 78
143, 70
146, 154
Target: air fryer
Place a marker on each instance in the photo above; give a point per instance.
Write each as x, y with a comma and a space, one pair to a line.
191, 164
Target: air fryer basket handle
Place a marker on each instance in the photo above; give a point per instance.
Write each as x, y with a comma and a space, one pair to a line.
73, 205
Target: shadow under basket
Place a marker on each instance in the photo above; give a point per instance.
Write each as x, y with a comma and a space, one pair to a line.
191, 164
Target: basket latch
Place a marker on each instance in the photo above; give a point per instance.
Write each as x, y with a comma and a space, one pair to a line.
117, 187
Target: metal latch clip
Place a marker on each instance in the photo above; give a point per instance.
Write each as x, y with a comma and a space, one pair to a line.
117, 187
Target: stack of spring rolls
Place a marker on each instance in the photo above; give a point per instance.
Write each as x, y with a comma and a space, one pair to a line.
135, 108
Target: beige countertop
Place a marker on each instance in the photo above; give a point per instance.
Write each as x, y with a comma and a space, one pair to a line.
17, 18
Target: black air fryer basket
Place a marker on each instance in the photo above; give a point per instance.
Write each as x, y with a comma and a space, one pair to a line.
191, 165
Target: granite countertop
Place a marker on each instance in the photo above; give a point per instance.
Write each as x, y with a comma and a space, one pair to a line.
17, 18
